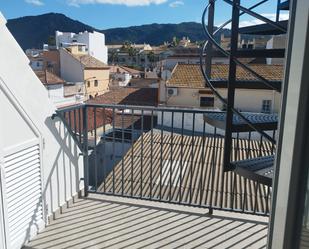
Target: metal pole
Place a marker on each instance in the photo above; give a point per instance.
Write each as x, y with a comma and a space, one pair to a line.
231, 87
278, 11
85, 150
210, 27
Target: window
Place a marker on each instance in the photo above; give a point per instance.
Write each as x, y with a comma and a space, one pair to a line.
207, 101
88, 84
96, 83
266, 106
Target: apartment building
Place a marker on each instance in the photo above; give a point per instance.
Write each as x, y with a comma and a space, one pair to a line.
78, 66
94, 43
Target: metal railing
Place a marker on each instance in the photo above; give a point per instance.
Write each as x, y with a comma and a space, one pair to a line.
165, 154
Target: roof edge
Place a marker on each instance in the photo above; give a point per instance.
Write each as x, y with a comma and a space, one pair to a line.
2, 19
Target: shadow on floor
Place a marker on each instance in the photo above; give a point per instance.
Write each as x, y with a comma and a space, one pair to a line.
107, 222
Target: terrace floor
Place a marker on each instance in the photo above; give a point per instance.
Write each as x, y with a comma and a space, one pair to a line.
101, 221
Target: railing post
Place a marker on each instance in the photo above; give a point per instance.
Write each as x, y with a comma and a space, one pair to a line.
231, 87
85, 150
210, 27
278, 11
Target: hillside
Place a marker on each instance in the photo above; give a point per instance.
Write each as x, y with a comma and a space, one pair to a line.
33, 31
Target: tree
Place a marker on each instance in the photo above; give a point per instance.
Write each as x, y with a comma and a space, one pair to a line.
51, 41
126, 46
151, 58
132, 52
114, 56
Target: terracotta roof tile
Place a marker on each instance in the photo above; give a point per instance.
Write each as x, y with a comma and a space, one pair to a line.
48, 78
187, 75
128, 96
190, 75
89, 61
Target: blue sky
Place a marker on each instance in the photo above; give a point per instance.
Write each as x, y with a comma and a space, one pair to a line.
104, 14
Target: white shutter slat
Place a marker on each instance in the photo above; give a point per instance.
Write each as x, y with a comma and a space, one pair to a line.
25, 151
23, 193
23, 167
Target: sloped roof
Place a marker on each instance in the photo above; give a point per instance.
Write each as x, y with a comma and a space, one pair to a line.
48, 78
123, 69
190, 75
89, 61
128, 96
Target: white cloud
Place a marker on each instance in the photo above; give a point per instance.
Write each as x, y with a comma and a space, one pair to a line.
35, 2
129, 3
271, 16
251, 22
176, 4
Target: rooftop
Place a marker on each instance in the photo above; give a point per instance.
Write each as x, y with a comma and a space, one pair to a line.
216, 192
142, 82
123, 69
128, 96
88, 61
48, 78
190, 75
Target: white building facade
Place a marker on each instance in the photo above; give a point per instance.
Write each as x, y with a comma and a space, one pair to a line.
94, 41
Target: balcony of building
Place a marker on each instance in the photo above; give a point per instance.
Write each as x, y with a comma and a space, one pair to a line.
155, 178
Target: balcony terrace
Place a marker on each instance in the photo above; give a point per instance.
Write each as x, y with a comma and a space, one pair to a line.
156, 179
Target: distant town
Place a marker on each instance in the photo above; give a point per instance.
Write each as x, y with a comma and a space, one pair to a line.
79, 67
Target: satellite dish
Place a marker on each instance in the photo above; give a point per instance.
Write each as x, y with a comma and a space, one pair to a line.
166, 75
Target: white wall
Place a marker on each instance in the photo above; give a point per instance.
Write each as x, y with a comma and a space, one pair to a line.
63, 38
36, 65
56, 95
246, 100
276, 42
250, 100
60, 161
97, 47
71, 69
95, 43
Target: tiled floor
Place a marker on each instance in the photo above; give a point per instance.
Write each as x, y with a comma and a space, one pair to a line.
111, 222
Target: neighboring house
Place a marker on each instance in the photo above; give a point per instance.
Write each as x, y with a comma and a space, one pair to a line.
36, 63
276, 42
52, 61
57, 89
186, 88
94, 43
256, 42
188, 55
121, 75
78, 66
41, 60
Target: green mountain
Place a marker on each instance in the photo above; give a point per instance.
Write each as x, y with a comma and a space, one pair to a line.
33, 31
